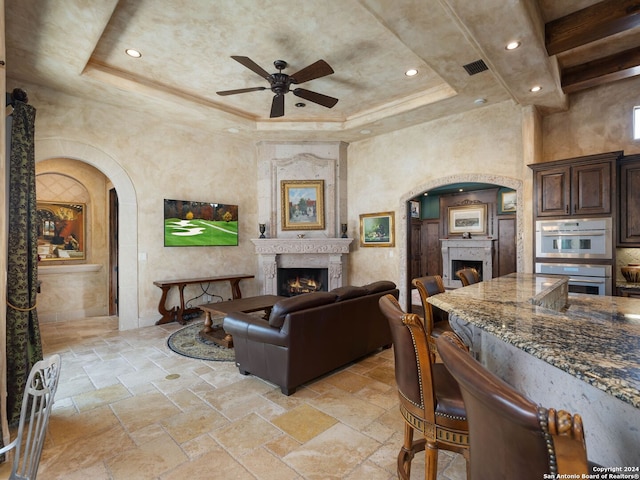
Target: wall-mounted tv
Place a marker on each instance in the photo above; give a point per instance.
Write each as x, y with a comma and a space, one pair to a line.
199, 224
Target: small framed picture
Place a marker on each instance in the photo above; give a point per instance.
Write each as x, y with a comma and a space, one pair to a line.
468, 218
377, 229
302, 204
508, 202
415, 208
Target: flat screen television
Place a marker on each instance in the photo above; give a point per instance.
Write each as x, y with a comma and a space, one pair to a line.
199, 224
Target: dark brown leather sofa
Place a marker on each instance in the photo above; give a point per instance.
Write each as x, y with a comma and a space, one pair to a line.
310, 335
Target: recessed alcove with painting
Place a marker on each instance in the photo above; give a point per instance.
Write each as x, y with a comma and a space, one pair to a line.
484, 236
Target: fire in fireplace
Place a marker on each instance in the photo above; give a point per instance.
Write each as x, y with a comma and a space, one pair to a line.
460, 264
295, 281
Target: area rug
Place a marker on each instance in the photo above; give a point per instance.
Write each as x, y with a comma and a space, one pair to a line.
188, 342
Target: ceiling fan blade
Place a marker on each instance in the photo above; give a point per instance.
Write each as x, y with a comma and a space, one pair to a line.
315, 97
313, 71
277, 106
240, 90
251, 65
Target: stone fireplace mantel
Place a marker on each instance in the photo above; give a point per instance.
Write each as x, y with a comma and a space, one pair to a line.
277, 253
476, 249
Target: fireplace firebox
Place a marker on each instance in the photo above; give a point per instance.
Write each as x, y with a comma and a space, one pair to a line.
460, 264
296, 281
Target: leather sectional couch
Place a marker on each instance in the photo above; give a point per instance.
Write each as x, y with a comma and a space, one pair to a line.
309, 335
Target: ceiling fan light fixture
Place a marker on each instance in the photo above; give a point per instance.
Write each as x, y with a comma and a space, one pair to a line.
133, 53
412, 72
280, 83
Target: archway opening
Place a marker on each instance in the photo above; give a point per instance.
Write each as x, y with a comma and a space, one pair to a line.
428, 208
128, 315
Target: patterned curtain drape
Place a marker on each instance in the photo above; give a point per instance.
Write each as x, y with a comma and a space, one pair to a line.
24, 347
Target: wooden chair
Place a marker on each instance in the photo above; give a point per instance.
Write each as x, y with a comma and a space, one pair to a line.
430, 400
468, 276
510, 436
436, 320
37, 401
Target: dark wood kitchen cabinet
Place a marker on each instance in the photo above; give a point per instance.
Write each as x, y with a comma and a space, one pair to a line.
629, 195
576, 186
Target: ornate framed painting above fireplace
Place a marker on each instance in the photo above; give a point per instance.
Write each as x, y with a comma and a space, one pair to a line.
302, 204
468, 218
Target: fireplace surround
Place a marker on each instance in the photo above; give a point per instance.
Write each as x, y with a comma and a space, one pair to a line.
476, 252
278, 253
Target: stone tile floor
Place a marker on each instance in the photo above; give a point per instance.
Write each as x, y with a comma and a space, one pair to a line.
129, 408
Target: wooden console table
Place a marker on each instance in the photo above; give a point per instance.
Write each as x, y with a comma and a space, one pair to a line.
177, 313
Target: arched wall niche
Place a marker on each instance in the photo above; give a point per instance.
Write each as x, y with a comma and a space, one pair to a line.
127, 217
401, 227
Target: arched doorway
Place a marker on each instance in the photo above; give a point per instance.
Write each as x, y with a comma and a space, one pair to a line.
127, 217
403, 226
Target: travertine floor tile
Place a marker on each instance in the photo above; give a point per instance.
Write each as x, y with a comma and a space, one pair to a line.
332, 454
128, 407
304, 422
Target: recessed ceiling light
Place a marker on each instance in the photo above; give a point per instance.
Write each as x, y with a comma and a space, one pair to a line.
535, 88
411, 72
132, 52
233, 130
301, 105
512, 45
365, 131
480, 101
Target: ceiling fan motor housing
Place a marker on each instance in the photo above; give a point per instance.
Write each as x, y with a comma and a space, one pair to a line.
280, 82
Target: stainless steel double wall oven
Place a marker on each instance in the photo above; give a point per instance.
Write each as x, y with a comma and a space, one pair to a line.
581, 249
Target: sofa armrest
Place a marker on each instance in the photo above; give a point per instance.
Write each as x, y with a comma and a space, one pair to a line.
254, 328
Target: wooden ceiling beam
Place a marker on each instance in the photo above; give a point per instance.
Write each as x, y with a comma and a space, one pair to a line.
592, 23
603, 70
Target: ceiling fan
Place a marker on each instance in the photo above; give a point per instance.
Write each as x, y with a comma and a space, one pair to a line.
281, 83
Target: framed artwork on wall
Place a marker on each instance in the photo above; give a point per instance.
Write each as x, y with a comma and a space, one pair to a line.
377, 229
508, 202
61, 231
302, 204
468, 219
415, 208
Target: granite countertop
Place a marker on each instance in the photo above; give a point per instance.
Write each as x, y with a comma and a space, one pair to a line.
594, 338
625, 284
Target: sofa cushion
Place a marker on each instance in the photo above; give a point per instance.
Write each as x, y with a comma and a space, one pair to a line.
349, 291
299, 302
380, 286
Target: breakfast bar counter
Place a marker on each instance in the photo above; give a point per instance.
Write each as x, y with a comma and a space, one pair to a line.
580, 353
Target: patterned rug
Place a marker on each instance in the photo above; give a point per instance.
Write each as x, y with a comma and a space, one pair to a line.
188, 342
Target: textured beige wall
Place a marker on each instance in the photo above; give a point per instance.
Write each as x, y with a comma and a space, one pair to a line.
386, 170
164, 159
599, 120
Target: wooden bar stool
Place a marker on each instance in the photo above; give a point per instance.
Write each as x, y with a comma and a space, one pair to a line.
468, 276
436, 320
430, 400
510, 436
